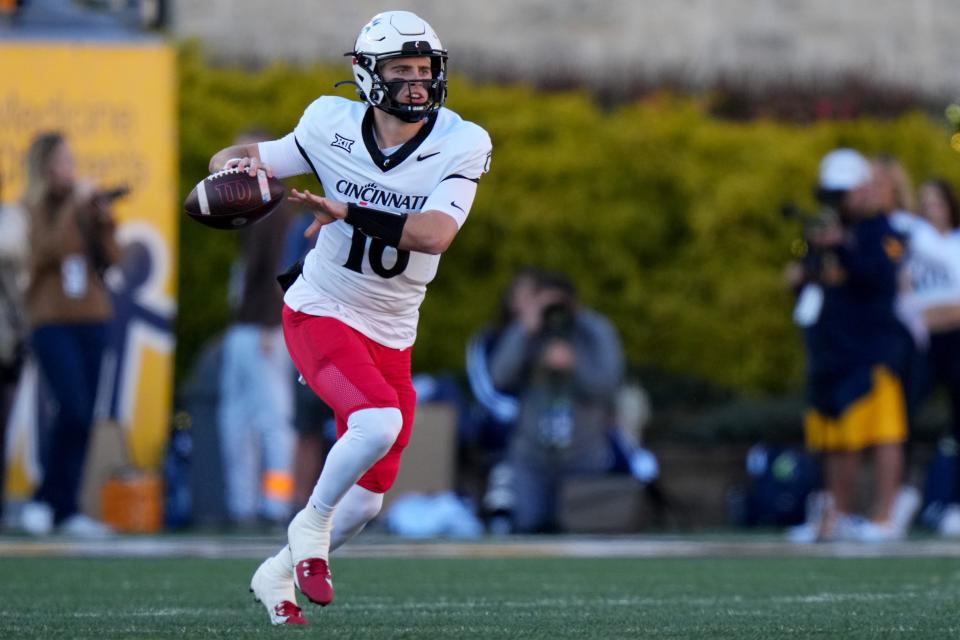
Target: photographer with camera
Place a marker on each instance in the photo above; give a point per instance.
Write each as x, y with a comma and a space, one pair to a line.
564, 362
72, 243
848, 284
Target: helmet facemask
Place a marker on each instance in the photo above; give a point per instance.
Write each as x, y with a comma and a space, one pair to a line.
392, 35
384, 94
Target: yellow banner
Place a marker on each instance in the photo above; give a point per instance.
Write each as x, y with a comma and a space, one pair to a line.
116, 105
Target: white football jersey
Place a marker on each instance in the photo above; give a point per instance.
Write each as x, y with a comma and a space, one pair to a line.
361, 281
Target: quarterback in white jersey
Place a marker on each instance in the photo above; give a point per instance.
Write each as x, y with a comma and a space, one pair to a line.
399, 174
369, 285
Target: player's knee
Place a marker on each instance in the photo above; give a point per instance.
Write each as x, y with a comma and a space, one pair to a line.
379, 427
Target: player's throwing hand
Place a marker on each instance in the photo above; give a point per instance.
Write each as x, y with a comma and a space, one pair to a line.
252, 165
324, 210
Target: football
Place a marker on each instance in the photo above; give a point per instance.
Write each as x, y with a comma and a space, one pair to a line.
233, 199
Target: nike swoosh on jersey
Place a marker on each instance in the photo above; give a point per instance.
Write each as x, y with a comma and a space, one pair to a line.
453, 202
421, 158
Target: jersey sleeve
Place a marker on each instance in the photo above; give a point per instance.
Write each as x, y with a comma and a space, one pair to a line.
456, 191
284, 157
288, 155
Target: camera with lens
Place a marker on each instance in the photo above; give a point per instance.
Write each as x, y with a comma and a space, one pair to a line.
558, 326
815, 224
557, 320
98, 215
556, 421
108, 196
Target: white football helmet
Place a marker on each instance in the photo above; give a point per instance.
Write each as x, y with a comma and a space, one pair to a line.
396, 34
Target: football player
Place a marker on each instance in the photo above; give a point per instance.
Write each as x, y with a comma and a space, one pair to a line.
399, 173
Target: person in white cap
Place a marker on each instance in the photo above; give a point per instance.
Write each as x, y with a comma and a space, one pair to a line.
399, 173
850, 329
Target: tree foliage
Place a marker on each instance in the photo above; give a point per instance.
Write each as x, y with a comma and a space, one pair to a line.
668, 220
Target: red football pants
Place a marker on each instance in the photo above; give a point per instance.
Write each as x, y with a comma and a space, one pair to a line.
349, 372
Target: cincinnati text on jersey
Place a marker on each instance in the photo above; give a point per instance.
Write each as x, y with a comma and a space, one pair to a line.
373, 194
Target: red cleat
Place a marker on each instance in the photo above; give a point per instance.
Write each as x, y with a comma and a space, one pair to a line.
309, 537
314, 581
287, 613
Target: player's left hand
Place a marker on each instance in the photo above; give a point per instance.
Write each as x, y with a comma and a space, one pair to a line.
324, 210
250, 165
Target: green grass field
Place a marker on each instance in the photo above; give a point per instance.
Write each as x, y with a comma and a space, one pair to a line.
741, 598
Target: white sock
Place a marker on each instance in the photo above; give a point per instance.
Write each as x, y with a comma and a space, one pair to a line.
283, 561
320, 517
358, 507
370, 434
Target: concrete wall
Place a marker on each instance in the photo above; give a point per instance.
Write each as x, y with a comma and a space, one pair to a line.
908, 43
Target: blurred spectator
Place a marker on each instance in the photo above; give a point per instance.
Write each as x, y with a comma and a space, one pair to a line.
849, 282
312, 420
496, 410
13, 329
256, 395
894, 192
72, 243
895, 196
493, 414
565, 364
935, 279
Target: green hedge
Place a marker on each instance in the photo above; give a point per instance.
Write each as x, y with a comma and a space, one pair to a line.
668, 220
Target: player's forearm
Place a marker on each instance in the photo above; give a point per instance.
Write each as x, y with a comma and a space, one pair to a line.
428, 232
425, 232
236, 151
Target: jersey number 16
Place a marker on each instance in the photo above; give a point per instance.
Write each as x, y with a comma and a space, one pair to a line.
375, 254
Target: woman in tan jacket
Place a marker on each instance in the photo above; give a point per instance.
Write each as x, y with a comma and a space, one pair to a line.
68, 307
